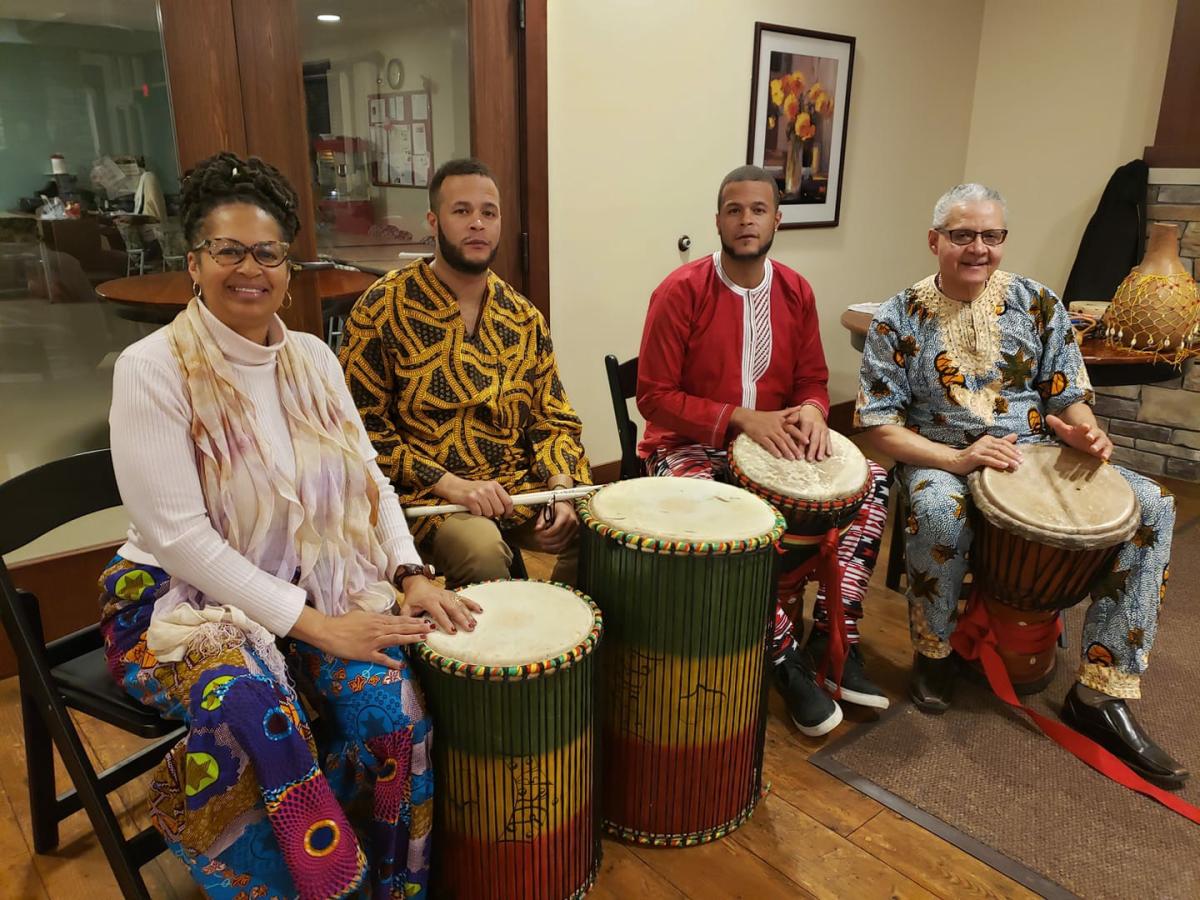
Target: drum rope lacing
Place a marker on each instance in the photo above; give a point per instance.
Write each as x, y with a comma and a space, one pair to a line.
827, 568
976, 638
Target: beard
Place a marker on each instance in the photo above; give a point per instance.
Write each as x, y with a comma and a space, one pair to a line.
763, 250
455, 259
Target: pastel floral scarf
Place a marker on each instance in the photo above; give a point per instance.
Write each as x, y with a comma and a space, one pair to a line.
330, 504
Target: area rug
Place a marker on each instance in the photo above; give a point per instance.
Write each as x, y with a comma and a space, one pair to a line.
984, 778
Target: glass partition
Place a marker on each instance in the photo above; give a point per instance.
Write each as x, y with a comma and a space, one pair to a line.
386, 85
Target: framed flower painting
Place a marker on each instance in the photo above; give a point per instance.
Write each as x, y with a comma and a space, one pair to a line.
799, 106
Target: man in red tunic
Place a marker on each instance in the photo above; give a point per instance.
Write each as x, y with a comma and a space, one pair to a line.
732, 344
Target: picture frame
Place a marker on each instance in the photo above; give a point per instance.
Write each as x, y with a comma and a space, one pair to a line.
799, 110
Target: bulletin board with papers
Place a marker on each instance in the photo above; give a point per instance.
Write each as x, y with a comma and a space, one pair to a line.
401, 126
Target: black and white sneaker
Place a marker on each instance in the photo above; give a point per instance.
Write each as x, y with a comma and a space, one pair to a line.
812, 710
857, 688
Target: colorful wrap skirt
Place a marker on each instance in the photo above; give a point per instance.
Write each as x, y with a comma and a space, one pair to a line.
260, 799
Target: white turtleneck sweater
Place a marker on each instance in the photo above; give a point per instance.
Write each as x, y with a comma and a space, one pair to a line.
155, 462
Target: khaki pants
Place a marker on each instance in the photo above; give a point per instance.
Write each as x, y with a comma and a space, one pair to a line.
469, 548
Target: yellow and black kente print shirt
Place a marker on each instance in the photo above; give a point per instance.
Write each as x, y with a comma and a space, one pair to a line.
435, 399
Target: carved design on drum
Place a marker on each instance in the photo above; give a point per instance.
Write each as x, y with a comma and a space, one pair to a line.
631, 680
701, 704
534, 793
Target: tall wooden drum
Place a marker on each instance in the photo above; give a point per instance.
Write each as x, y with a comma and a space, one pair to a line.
813, 496
1043, 534
684, 570
514, 745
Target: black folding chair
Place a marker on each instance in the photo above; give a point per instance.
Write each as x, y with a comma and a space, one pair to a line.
622, 384
70, 673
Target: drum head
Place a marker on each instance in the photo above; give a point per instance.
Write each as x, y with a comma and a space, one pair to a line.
1059, 497
841, 474
522, 622
694, 510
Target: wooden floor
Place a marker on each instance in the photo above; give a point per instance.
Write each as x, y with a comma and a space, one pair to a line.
811, 837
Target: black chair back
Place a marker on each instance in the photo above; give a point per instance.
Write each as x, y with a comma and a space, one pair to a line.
38, 501
622, 385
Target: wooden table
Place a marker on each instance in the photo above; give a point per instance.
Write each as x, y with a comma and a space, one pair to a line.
1107, 366
158, 297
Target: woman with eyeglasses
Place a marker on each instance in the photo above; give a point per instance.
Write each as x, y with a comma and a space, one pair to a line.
262, 528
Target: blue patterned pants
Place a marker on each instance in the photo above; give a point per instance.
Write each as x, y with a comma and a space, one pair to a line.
1121, 622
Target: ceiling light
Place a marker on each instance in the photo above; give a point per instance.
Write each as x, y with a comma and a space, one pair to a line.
328, 17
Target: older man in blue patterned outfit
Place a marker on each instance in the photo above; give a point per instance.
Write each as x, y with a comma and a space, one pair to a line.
958, 372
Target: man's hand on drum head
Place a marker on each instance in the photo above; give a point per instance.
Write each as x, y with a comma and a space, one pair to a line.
1089, 439
447, 610
481, 498
777, 431
995, 453
814, 432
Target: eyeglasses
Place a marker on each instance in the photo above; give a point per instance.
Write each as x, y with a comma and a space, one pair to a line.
228, 252
960, 237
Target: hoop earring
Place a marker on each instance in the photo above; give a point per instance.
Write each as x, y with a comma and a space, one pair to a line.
287, 301
196, 291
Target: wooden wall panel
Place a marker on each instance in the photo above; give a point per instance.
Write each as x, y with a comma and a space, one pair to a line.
536, 165
202, 71
272, 86
1177, 140
496, 121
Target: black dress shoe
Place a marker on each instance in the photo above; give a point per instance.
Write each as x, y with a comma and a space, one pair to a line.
932, 684
1110, 724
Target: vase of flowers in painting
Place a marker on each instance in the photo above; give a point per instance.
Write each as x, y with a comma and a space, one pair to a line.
799, 107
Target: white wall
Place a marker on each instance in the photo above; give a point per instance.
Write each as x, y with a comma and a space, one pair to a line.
649, 108
1066, 91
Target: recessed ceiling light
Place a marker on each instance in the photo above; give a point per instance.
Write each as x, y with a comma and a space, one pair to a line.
328, 17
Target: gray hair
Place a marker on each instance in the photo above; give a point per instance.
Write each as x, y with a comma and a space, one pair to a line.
966, 193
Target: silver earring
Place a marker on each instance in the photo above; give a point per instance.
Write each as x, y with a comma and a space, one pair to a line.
196, 290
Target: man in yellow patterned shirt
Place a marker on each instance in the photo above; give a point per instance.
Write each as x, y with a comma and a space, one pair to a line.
454, 375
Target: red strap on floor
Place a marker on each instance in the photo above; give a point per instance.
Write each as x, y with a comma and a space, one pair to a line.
828, 570
976, 639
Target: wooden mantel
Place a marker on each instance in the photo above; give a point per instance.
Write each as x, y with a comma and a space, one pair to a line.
1177, 141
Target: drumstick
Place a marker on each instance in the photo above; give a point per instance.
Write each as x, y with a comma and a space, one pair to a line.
536, 498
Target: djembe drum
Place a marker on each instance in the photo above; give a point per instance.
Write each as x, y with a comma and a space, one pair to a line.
813, 496
684, 570
514, 747
1043, 534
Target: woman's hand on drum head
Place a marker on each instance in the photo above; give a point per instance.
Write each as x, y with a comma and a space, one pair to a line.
360, 635
1089, 439
448, 610
481, 498
778, 431
995, 453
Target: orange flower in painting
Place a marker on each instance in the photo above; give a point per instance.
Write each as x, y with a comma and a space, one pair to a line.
798, 81
804, 127
791, 106
823, 104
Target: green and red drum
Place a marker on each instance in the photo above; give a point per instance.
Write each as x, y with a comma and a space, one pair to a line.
684, 571
513, 704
